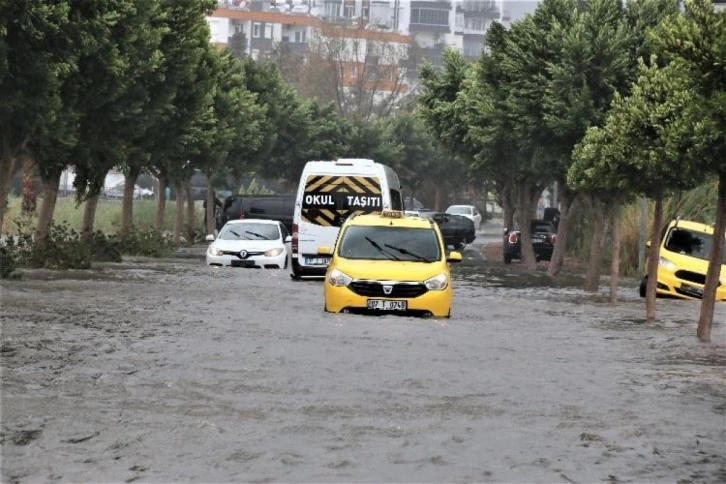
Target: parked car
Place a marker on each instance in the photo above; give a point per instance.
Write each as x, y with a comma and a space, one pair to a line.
683, 259
468, 211
271, 207
389, 263
250, 243
544, 237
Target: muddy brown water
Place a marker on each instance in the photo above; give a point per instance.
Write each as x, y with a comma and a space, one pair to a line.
167, 370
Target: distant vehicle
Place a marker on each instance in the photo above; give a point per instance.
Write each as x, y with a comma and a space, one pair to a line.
328, 193
273, 207
250, 243
683, 259
544, 237
468, 211
456, 230
389, 263
139, 193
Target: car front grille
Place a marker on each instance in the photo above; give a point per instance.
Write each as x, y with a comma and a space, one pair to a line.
691, 276
398, 289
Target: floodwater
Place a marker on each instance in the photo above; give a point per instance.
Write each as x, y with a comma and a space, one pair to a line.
167, 370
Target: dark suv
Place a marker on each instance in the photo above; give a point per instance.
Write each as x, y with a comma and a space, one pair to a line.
544, 236
272, 207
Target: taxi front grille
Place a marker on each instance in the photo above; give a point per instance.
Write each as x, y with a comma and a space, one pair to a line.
691, 276
398, 289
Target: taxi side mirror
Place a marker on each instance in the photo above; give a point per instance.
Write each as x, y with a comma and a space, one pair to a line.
454, 257
324, 250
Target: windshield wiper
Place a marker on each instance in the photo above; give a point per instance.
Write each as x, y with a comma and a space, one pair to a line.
403, 251
256, 235
381, 249
235, 234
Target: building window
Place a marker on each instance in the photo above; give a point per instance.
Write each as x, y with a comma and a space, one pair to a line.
354, 71
300, 37
429, 16
349, 12
256, 28
268, 31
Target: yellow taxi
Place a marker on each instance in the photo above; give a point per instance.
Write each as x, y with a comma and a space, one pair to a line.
683, 261
389, 263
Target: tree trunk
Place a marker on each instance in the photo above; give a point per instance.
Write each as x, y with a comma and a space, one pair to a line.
178, 212
525, 220
437, 197
191, 213
714, 265
161, 205
8, 168
50, 196
127, 204
615, 260
30, 197
653, 254
209, 207
568, 206
597, 243
89, 217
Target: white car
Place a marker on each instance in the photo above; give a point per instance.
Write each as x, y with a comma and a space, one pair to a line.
250, 243
468, 211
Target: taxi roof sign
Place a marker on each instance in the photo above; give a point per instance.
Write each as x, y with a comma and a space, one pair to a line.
392, 214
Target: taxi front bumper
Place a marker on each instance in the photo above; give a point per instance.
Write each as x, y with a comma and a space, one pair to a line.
342, 298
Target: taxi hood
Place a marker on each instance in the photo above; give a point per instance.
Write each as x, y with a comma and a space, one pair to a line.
390, 270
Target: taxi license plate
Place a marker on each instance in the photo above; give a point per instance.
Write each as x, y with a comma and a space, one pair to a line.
317, 261
386, 305
692, 290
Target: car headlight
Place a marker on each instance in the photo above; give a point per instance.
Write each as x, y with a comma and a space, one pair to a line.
339, 279
666, 264
437, 283
214, 250
274, 252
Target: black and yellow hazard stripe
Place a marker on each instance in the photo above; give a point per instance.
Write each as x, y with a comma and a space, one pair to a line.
332, 184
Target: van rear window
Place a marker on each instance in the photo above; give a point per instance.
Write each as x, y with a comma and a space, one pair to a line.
329, 199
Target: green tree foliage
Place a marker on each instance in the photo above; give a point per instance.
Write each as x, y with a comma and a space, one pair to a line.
30, 96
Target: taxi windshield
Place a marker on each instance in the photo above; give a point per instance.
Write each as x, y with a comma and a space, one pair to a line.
389, 243
691, 243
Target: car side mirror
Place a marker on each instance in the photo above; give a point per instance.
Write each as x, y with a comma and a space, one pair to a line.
324, 250
647, 244
454, 257
209, 238
288, 239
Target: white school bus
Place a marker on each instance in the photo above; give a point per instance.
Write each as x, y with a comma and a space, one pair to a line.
329, 192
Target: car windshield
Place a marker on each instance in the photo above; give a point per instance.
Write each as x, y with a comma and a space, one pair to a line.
249, 231
459, 210
389, 243
690, 242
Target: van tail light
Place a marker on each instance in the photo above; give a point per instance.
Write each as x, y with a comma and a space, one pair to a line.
294, 239
553, 239
513, 237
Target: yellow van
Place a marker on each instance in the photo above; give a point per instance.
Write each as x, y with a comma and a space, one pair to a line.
389, 263
683, 261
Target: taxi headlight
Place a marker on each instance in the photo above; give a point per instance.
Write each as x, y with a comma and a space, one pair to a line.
666, 264
437, 283
214, 251
339, 279
274, 252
